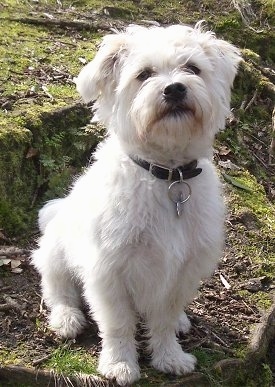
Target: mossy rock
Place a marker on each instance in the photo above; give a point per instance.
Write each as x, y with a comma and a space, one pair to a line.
42, 140
38, 161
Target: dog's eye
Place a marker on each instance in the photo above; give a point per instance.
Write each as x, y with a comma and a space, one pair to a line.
193, 69
145, 74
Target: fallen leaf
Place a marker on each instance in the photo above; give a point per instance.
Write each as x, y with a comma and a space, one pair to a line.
15, 263
235, 182
82, 60
17, 270
32, 152
224, 151
45, 89
228, 165
48, 15
6, 261
224, 282
34, 89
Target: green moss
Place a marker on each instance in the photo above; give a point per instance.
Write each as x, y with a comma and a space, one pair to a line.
8, 357
252, 376
14, 193
256, 235
251, 55
15, 356
13, 219
255, 200
37, 160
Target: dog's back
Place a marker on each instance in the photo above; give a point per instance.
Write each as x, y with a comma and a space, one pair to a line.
48, 212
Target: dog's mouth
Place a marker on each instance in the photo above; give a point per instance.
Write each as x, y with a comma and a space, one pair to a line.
175, 101
179, 110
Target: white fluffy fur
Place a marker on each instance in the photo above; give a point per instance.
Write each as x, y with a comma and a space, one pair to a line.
117, 234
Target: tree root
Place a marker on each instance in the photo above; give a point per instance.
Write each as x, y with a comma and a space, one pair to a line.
62, 23
41, 378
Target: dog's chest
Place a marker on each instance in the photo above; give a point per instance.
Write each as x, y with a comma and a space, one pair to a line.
146, 219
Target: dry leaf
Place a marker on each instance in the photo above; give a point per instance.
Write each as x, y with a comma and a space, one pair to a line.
48, 15
17, 270
6, 261
228, 165
224, 151
224, 282
236, 183
82, 60
15, 263
32, 152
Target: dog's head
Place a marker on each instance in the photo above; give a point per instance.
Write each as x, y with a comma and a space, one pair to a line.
162, 89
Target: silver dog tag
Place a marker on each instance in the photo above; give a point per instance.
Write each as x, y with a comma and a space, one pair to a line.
177, 193
179, 206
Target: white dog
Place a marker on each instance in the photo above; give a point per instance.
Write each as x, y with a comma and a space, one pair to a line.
144, 224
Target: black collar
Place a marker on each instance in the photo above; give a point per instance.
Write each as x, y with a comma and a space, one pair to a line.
180, 173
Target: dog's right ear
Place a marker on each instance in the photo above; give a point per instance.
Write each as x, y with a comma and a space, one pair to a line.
99, 76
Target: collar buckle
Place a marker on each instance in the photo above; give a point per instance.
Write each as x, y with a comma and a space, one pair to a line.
170, 171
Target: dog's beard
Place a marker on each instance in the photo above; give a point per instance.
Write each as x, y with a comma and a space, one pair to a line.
173, 115
161, 121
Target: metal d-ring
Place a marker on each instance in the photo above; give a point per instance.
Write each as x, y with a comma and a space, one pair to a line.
180, 198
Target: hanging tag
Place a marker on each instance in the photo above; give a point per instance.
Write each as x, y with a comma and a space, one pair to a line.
176, 193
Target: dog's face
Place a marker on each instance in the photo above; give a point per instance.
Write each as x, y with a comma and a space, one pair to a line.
162, 89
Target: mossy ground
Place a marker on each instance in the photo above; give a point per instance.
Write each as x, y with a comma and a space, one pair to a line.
42, 145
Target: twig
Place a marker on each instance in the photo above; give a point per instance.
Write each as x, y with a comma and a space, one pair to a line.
260, 160
247, 13
249, 307
251, 101
243, 104
257, 139
41, 305
219, 339
41, 360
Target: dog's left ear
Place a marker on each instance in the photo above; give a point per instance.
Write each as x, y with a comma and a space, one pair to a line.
227, 59
224, 56
99, 76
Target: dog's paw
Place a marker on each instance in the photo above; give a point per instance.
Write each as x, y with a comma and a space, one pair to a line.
177, 362
124, 372
66, 321
184, 324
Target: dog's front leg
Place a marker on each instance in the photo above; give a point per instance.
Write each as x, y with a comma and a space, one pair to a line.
116, 319
167, 354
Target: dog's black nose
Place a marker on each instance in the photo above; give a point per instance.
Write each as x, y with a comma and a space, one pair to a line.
175, 92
